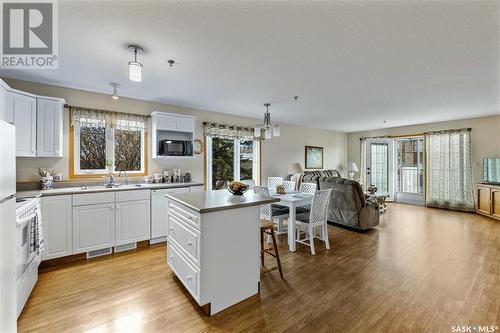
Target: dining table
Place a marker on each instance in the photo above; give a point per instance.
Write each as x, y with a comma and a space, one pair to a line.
292, 200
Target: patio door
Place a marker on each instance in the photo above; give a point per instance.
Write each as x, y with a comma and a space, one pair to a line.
380, 165
410, 170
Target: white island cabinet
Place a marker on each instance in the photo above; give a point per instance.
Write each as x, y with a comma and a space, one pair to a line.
213, 245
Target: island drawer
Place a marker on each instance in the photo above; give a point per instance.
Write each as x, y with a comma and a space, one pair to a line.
185, 236
93, 198
185, 271
185, 214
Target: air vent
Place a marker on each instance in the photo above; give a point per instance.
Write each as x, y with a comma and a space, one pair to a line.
98, 253
126, 247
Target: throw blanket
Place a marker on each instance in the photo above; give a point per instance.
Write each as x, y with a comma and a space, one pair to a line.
36, 237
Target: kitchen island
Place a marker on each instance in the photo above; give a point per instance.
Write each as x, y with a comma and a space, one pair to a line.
213, 245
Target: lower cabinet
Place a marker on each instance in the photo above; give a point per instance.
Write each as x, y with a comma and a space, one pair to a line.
57, 226
488, 200
93, 227
159, 207
132, 221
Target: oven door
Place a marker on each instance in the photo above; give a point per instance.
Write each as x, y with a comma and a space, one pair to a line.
26, 249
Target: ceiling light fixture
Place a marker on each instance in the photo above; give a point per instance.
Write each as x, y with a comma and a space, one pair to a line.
135, 67
115, 90
270, 129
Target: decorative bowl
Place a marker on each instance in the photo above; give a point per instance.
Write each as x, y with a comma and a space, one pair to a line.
237, 188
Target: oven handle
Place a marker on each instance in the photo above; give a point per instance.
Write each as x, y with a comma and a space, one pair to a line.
26, 219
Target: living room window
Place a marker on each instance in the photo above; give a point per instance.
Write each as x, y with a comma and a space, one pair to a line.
104, 140
231, 154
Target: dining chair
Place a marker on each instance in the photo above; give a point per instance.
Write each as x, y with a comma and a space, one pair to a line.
272, 182
306, 188
272, 212
306, 223
288, 186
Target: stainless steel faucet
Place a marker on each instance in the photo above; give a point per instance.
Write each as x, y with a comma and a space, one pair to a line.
126, 176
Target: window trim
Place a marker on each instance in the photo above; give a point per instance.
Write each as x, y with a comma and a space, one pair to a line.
256, 161
74, 171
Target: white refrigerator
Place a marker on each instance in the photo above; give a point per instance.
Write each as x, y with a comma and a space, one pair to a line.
8, 294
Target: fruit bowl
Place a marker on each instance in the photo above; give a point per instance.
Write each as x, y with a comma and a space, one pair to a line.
237, 188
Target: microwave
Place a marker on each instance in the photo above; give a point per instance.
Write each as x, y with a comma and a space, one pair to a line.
175, 148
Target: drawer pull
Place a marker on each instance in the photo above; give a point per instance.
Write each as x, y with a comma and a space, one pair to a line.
171, 228
189, 278
189, 243
171, 258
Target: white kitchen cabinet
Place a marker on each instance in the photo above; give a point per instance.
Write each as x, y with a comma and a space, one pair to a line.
159, 207
184, 124
57, 226
93, 227
165, 122
132, 221
49, 129
3, 104
21, 111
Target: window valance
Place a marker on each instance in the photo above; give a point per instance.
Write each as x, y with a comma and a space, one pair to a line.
107, 119
216, 130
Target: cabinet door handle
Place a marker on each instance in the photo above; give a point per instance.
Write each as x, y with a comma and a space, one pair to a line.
189, 278
171, 258
189, 243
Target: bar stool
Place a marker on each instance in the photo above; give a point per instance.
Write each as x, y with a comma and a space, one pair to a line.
267, 228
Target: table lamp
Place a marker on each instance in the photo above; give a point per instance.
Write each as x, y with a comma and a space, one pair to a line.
351, 169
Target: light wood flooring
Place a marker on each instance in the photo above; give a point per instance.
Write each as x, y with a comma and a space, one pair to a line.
421, 270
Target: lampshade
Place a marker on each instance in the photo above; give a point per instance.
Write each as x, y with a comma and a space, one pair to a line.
135, 71
276, 130
296, 168
352, 167
268, 134
256, 132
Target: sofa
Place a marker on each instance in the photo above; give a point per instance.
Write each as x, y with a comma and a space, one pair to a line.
348, 204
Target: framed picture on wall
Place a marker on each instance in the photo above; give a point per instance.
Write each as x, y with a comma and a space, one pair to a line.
314, 157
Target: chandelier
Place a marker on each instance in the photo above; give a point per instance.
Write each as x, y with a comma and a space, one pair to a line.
269, 128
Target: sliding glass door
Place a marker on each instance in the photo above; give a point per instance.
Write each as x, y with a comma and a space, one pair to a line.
410, 170
230, 159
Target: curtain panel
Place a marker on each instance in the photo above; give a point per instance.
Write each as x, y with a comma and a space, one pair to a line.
107, 119
449, 181
362, 169
216, 130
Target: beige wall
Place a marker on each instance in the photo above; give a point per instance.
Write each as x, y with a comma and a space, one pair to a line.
485, 138
277, 154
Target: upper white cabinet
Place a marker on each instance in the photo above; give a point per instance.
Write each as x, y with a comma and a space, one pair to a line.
39, 122
49, 132
21, 111
170, 127
3, 104
173, 122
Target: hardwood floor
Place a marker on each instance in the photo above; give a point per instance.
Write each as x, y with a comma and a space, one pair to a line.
421, 270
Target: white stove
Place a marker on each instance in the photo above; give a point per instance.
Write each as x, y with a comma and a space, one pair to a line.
29, 246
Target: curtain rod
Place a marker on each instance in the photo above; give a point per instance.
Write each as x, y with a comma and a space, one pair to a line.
67, 106
453, 130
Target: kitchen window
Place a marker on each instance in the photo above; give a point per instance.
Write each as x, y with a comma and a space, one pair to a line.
104, 140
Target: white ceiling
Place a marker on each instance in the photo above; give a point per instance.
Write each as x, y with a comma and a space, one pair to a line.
354, 64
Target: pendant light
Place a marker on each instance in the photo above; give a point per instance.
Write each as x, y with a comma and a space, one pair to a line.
115, 90
270, 129
135, 67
